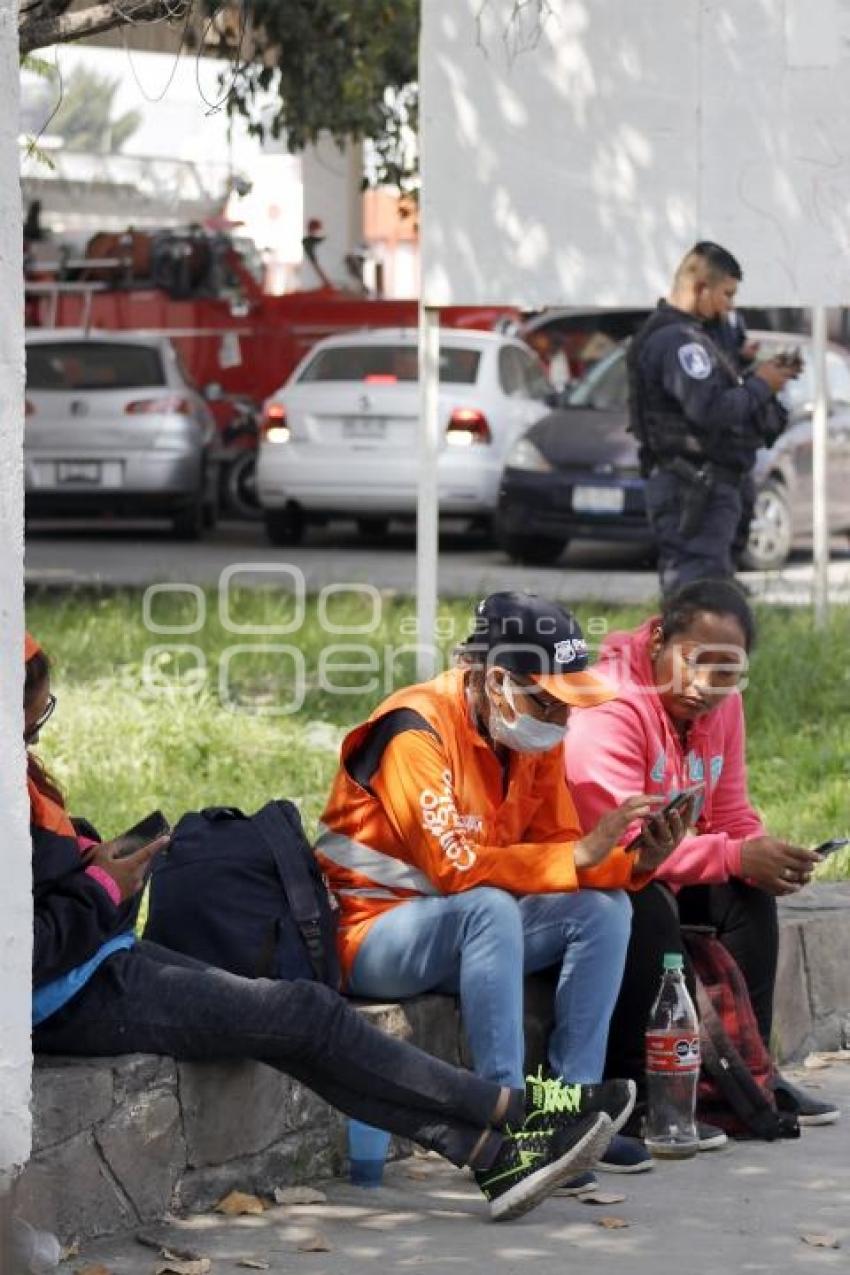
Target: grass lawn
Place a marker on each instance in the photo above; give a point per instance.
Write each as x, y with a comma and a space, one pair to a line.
141, 724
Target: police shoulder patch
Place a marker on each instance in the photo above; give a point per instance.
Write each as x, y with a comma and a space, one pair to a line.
695, 361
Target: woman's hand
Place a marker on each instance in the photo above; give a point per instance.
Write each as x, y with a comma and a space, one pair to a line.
598, 844
128, 872
777, 866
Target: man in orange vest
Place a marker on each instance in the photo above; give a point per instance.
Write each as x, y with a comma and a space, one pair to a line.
454, 850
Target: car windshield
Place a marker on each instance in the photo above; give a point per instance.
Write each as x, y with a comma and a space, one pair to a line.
604, 385
388, 364
92, 365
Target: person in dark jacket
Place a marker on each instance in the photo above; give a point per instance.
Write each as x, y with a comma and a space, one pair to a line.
698, 421
99, 991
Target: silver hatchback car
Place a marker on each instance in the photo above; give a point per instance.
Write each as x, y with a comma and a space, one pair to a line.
113, 426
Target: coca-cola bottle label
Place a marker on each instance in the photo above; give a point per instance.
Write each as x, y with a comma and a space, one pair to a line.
672, 1051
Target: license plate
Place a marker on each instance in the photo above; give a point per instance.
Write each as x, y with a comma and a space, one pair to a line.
365, 427
599, 500
78, 471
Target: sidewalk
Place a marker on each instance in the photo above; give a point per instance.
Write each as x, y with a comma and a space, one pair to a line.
742, 1209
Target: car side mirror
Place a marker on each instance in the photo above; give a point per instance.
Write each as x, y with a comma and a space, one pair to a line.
557, 398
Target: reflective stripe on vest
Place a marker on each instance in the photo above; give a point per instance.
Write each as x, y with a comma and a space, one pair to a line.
383, 869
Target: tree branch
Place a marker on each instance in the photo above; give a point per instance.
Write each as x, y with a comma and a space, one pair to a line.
36, 33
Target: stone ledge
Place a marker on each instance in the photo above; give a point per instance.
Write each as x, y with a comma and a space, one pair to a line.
121, 1141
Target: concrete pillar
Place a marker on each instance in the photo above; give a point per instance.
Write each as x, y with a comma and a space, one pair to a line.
16, 892
332, 180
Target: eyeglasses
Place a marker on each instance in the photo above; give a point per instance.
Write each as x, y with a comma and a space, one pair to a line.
43, 719
547, 706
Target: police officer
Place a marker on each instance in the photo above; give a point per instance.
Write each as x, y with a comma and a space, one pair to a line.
698, 422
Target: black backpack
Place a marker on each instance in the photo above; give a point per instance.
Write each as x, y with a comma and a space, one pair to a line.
245, 893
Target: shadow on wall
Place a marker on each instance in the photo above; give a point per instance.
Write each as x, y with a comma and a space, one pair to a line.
572, 150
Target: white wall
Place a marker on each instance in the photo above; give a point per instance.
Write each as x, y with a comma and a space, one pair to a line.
574, 162
15, 894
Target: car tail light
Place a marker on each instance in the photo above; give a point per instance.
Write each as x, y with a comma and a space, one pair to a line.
467, 426
273, 427
380, 378
170, 405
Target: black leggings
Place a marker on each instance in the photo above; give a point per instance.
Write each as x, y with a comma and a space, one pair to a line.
153, 1001
746, 924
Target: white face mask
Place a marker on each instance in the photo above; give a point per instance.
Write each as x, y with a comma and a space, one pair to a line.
525, 734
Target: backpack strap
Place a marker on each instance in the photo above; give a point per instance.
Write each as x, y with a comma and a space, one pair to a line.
277, 825
726, 1067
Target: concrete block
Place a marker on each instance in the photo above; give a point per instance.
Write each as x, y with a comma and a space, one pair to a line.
826, 946
139, 1073
232, 1110
70, 1191
69, 1095
792, 1014
143, 1144
298, 1158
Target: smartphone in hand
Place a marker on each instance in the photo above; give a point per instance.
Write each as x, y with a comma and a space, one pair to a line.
826, 848
681, 800
141, 834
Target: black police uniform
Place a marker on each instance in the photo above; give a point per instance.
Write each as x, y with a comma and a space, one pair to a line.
730, 334
699, 425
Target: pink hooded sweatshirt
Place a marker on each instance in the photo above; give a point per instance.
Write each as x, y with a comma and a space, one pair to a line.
630, 745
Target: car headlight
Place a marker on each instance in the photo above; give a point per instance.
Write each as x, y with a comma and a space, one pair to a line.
524, 455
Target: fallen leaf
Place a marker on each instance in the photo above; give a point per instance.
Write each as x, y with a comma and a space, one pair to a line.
71, 1250
815, 1062
165, 1246
237, 1203
253, 1264
174, 1266
612, 1223
417, 1174
314, 1244
299, 1195
821, 1241
600, 1197
93, 1270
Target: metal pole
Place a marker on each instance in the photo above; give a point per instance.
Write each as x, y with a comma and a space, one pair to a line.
427, 509
820, 424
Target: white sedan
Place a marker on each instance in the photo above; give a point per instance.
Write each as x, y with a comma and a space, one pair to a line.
340, 437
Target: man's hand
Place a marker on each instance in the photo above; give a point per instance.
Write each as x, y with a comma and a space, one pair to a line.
777, 373
129, 872
598, 844
777, 866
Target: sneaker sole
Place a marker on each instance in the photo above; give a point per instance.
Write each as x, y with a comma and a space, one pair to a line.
713, 1144
621, 1119
643, 1166
823, 1117
527, 1194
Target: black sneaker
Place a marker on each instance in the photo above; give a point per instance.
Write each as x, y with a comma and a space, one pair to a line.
530, 1165
800, 1102
547, 1098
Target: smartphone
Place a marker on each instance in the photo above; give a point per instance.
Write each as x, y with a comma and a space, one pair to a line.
679, 802
152, 826
829, 847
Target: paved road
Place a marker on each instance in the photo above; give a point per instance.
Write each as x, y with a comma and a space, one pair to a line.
742, 1209
132, 555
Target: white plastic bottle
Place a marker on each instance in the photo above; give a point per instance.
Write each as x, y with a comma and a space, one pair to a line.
33, 1252
672, 1067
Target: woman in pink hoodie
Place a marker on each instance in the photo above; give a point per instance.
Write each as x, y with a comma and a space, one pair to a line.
679, 722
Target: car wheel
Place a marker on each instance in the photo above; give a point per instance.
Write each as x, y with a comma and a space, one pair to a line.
241, 487
537, 551
771, 530
373, 528
188, 523
285, 526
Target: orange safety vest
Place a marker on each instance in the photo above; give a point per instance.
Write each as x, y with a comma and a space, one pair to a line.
436, 818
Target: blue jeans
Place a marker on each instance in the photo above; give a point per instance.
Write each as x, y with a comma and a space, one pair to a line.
480, 944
